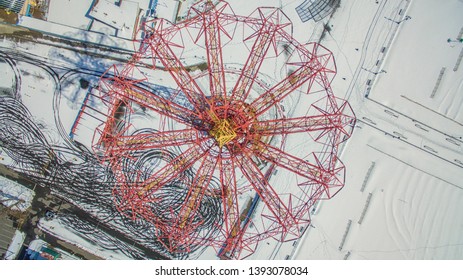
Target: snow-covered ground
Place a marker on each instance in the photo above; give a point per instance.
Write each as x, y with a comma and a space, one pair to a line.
60, 230
15, 245
70, 13
75, 13
14, 195
404, 160
415, 61
403, 192
6, 76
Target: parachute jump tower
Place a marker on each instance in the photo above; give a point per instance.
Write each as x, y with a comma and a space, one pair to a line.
245, 130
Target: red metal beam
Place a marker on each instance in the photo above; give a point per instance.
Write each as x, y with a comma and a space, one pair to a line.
281, 213
161, 47
264, 38
158, 140
296, 125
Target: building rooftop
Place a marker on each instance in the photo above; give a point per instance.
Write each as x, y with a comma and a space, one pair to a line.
123, 18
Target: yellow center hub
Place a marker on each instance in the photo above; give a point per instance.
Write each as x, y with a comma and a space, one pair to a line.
222, 132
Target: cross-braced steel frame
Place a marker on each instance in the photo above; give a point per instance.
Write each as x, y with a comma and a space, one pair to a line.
228, 128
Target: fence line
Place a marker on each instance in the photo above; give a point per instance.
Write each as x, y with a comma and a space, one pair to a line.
367, 176
349, 223
455, 69
365, 208
439, 80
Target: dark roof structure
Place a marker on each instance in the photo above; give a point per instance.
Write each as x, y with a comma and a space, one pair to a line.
316, 9
12, 5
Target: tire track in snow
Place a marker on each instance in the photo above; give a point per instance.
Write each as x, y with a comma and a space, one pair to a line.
408, 164
420, 228
367, 39
397, 230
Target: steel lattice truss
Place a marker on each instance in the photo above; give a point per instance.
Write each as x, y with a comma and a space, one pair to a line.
225, 129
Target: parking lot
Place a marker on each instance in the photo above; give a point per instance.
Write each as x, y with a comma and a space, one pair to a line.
6, 233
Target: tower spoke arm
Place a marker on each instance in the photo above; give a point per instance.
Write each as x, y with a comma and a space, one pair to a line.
157, 103
278, 208
174, 169
307, 72
214, 55
289, 162
265, 37
157, 140
296, 125
163, 51
196, 192
230, 202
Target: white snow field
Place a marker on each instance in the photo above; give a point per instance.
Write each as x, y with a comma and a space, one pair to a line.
60, 230
404, 162
70, 13
15, 196
404, 186
15, 245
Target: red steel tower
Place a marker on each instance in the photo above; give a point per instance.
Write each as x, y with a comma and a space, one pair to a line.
243, 136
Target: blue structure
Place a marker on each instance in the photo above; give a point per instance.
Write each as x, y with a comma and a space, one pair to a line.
28, 10
316, 9
45, 253
152, 7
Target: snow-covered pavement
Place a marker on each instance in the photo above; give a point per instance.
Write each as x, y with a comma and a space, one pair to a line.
402, 198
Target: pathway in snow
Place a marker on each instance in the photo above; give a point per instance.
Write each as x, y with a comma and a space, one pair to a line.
408, 205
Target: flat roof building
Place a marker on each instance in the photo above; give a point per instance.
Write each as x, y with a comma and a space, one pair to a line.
122, 18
